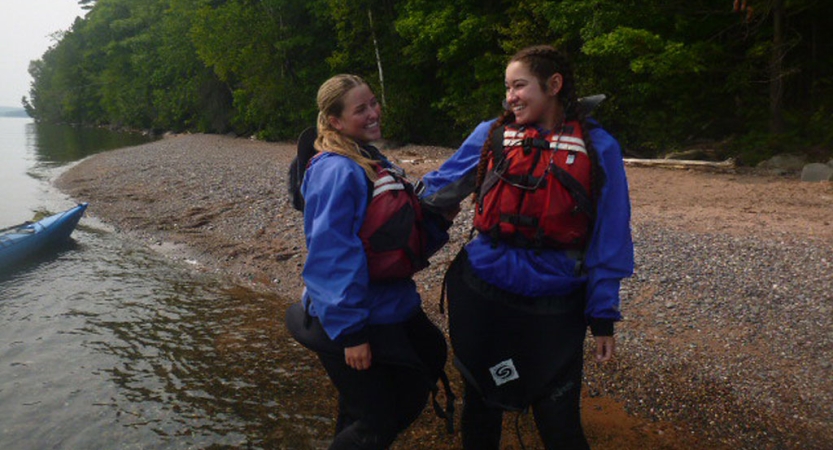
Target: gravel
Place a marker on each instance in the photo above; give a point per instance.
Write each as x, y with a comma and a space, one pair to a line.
732, 334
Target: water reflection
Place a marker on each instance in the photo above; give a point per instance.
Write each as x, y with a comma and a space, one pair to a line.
56, 145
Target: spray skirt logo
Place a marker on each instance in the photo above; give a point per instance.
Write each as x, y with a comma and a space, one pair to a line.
504, 372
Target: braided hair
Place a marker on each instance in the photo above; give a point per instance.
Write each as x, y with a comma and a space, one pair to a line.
331, 103
544, 61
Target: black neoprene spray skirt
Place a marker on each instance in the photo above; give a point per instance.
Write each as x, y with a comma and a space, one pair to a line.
514, 349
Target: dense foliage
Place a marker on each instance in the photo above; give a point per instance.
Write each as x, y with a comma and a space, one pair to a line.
750, 77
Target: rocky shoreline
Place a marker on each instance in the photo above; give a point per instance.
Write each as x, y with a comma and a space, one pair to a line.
727, 340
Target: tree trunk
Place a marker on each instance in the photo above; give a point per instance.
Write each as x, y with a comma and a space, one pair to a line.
776, 69
378, 57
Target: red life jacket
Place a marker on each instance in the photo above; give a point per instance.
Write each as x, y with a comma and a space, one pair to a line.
537, 191
392, 233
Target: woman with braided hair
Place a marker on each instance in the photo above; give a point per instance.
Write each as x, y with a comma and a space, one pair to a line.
553, 221
366, 236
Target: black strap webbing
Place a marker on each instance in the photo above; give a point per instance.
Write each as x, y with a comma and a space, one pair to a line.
519, 220
576, 190
527, 182
448, 413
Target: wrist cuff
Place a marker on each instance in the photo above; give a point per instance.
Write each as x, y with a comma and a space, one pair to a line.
353, 339
601, 327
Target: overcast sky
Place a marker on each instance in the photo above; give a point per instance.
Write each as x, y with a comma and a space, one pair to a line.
25, 29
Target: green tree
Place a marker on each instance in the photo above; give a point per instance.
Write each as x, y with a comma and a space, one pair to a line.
266, 52
63, 89
787, 46
456, 46
185, 93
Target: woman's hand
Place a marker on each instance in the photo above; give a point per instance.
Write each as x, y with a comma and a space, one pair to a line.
358, 357
605, 348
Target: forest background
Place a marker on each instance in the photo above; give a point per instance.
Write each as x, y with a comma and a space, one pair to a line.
741, 78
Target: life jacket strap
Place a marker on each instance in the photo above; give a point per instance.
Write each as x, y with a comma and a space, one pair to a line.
576, 190
526, 182
519, 220
446, 414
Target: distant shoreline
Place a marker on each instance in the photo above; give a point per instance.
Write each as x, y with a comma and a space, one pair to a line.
11, 111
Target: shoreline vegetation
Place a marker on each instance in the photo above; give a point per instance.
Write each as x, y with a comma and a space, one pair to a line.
726, 341
748, 81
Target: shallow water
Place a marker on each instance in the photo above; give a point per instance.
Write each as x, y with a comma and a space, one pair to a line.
106, 344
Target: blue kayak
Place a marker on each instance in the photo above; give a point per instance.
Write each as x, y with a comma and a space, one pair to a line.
19, 242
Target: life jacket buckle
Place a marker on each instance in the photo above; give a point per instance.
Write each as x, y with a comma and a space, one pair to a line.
527, 144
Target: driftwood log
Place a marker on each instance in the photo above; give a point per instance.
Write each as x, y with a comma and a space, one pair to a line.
726, 165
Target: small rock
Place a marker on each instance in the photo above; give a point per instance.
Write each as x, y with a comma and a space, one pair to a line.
785, 162
815, 172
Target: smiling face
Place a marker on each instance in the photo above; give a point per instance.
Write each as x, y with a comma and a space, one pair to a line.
359, 120
533, 101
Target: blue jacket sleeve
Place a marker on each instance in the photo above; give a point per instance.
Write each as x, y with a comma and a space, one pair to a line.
335, 190
436, 228
448, 186
609, 256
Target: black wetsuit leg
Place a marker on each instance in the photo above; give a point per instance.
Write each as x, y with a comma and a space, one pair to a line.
375, 405
558, 416
481, 424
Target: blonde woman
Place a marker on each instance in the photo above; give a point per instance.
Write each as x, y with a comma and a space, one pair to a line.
366, 235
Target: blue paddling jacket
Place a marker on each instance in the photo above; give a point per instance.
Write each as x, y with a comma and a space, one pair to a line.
338, 288
550, 272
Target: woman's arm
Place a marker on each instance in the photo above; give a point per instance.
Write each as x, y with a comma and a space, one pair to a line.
335, 190
609, 257
448, 186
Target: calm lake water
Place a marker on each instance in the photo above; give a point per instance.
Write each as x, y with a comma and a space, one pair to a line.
105, 344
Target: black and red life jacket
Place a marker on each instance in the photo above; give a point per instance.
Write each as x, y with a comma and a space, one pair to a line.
537, 191
393, 234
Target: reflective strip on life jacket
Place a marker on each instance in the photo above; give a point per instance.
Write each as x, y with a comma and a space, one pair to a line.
514, 138
387, 183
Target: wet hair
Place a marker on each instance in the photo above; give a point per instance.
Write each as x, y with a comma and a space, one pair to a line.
544, 61
330, 100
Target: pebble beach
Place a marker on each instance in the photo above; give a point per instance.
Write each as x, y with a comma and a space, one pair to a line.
727, 337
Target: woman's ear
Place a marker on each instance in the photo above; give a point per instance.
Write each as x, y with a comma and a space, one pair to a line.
335, 122
555, 83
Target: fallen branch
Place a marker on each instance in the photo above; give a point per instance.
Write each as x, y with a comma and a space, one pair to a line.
729, 164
